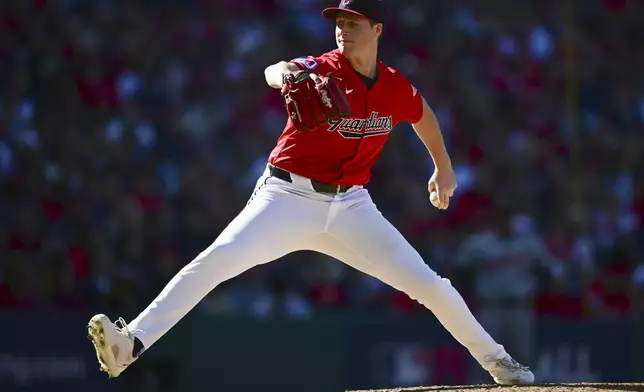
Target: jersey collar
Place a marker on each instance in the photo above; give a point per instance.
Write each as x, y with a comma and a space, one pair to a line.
344, 58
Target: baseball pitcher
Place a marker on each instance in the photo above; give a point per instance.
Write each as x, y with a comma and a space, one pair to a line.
341, 106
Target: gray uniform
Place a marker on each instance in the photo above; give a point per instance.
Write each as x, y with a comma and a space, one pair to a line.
505, 284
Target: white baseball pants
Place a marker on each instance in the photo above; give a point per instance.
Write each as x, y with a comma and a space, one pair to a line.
283, 217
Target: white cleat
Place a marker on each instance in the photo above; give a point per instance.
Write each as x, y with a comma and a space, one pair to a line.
507, 371
113, 344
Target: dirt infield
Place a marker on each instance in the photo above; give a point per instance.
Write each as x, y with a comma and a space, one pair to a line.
531, 388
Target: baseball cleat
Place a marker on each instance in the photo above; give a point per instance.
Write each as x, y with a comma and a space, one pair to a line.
113, 343
507, 371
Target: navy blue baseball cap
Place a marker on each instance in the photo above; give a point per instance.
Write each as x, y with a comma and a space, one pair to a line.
370, 9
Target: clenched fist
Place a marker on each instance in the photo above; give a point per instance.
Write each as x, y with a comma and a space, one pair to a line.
441, 187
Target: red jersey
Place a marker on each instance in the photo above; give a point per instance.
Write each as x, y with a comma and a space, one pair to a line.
343, 152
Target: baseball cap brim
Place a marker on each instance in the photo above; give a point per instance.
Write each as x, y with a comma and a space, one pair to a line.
332, 12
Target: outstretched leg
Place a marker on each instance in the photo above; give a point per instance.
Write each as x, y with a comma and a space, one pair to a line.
275, 222
370, 243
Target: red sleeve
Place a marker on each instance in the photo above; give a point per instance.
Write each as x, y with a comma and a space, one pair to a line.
311, 63
410, 101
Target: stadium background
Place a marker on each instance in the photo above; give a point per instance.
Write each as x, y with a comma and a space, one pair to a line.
131, 133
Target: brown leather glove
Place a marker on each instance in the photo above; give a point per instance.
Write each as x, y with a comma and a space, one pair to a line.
310, 104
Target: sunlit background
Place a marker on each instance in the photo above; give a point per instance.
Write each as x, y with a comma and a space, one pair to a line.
132, 132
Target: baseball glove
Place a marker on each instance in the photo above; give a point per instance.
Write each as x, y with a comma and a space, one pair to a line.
310, 104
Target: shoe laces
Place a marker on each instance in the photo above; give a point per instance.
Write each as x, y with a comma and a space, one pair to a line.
122, 327
510, 363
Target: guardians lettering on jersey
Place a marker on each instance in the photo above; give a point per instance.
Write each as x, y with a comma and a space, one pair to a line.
356, 128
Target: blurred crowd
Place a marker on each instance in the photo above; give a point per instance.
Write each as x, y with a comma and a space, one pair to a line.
132, 132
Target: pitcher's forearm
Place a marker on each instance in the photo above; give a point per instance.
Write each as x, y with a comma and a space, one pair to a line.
274, 74
429, 132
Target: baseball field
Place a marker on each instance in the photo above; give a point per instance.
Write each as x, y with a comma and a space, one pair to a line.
581, 387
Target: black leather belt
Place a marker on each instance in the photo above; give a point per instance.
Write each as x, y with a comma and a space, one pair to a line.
320, 187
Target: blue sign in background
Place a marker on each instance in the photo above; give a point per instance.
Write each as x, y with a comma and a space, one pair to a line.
46, 350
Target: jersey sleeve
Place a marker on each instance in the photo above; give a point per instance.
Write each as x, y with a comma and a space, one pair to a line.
312, 63
410, 101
